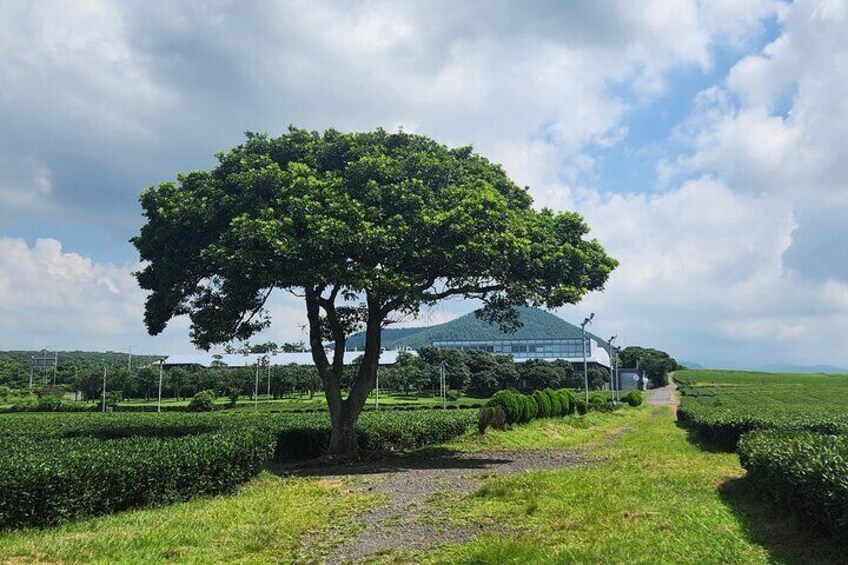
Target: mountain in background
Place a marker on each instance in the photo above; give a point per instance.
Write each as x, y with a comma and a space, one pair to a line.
536, 324
692, 365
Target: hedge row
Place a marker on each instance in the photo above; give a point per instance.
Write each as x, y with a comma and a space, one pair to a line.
803, 471
519, 408
60, 479
57, 467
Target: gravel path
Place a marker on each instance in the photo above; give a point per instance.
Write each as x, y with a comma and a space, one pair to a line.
406, 521
664, 396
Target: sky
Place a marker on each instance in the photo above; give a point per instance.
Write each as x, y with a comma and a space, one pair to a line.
703, 141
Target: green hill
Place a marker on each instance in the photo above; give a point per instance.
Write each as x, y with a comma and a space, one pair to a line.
536, 324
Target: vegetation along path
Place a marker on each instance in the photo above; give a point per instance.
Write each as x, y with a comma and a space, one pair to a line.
622, 487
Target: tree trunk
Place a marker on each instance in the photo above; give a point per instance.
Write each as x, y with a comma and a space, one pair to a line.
343, 434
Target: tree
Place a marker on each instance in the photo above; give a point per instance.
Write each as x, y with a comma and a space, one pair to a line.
538, 374
457, 373
598, 377
366, 228
656, 364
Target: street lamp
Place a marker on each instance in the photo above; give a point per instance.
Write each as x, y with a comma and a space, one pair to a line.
613, 383
585, 362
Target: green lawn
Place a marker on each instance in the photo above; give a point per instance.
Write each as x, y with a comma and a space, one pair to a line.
651, 497
263, 522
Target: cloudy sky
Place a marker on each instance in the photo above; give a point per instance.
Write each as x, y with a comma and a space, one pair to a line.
706, 142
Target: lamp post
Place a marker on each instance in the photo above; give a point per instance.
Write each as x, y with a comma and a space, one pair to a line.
613, 383
585, 362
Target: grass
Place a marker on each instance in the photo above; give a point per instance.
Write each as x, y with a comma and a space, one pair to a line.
264, 522
548, 433
650, 497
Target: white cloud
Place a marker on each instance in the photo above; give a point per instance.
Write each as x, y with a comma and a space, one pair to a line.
100, 99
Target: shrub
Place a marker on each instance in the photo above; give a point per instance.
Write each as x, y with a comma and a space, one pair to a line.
453, 395
581, 406
804, 471
510, 403
572, 399
60, 479
634, 398
203, 401
484, 418
599, 402
556, 403
49, 403
499, 419
543, 404
74, 465
530, 408
566, 401
233, 397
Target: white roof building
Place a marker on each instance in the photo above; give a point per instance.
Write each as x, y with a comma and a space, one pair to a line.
388, 357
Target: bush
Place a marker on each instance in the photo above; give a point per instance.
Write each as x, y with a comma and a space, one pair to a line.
203, 401
556, 403
49, 403
566, 400
530, 408
511, 404
60, 479
634, 398
54, 467
233, 397
543, 404
599, 402
580, 406
453, 395
803, 471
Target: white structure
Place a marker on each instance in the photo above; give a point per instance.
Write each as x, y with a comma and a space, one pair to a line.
252, 359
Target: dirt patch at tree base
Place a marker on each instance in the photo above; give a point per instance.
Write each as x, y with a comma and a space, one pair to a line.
408, 520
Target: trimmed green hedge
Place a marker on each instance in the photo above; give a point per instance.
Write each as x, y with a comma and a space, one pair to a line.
634, 398
543, 402
60, 479
55, 467
805, 472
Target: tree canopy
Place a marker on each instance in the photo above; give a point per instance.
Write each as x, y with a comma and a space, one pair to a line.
365, 227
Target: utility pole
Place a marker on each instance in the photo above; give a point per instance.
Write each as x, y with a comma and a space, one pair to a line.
443, 385
129, 357
55, 365
159, 402
31, 368
256, 387
104, 386
585, 361
613, 383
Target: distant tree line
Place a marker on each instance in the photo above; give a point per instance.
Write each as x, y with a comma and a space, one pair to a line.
476, 373
655, 363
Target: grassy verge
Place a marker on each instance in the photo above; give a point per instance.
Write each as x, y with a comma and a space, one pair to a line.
651, 497
548, 433
264, 522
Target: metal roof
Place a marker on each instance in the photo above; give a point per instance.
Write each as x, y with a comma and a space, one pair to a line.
251, 359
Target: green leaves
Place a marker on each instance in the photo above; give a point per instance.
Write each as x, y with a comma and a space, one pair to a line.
394, 216
803, 471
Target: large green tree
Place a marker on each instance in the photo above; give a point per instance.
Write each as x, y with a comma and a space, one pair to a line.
366, 228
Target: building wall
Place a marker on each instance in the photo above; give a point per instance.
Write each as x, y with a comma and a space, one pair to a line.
521, 349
